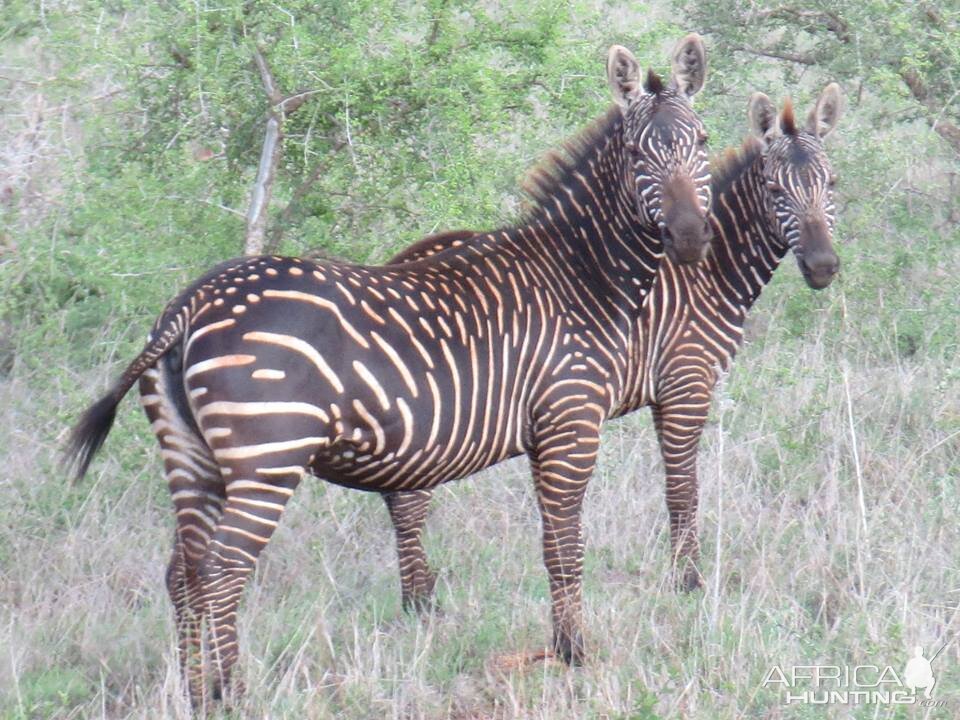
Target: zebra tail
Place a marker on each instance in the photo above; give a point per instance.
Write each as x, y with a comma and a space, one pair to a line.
89, 434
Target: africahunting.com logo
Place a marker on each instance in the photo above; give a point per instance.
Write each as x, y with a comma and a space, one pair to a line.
857, 684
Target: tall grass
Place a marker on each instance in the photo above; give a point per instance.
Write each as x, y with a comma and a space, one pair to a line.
804, 577
830, 474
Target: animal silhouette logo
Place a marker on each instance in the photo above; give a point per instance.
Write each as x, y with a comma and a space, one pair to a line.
919, 673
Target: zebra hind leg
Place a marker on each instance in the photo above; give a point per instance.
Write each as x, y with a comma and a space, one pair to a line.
183, 588
257, 491
197, 490
199, 505
408, 512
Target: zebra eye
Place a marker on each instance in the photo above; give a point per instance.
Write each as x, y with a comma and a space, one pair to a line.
832, 181
774, 187
702, 138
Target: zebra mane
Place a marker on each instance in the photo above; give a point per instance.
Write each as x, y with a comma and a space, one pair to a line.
544, 180
731, 163
787, 122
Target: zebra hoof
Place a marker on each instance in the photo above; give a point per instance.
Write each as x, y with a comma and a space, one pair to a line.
569, 648
421, 599
421, 604
689, 579
229, 693
198, 705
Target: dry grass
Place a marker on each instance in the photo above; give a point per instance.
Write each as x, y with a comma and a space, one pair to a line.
830, 490
798, 574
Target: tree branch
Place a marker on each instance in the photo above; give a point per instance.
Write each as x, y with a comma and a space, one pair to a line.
270, 154
263, 187
830, 20
291, 103
768, 53
946, 129
266, 77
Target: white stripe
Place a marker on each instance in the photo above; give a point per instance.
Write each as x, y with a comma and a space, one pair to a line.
249, 451
407, 425
247, 409
304, 348
324, 303
398, 362
200, 332
219, 362
370, 380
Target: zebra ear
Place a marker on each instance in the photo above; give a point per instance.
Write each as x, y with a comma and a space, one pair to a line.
763, 117
825, 114
623, 74
689, 65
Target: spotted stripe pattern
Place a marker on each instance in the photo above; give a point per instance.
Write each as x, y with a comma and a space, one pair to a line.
399, 378
690, 327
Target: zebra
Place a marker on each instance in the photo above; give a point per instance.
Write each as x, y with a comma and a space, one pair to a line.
520, 340
776, 194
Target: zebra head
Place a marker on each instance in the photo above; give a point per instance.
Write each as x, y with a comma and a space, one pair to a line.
666, 146
799, 180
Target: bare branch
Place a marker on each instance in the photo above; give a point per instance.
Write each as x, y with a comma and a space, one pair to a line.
22, 82
219, 206
946, 129
830, 20
290, 103
776, 55
263, 187
266, 77
280, 108
269, 162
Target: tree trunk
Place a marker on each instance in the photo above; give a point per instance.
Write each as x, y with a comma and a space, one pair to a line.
270, 155
263, 187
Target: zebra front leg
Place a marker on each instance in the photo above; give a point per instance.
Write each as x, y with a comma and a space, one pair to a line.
255, 500
678, 430
562, 465
408, 512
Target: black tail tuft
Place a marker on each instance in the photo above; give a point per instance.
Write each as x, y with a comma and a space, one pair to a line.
88, 435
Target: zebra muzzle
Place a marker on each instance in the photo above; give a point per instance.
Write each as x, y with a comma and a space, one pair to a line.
687, 241
819, 269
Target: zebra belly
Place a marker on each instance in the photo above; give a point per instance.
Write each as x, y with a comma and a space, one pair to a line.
341, 465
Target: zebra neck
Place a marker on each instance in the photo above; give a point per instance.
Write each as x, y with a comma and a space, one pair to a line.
747, 250
586, 230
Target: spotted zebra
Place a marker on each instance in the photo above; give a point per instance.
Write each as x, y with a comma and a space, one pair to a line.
521, 340
773, 196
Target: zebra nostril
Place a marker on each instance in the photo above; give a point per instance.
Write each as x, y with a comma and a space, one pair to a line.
823, 265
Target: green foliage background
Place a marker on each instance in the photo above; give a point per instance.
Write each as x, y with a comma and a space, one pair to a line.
130, 137
421, 116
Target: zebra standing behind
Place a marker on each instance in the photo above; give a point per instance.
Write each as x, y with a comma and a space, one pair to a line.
776, 194
522, 340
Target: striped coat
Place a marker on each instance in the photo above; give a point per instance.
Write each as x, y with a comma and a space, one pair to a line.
398, 378
776, 194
